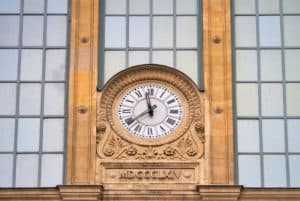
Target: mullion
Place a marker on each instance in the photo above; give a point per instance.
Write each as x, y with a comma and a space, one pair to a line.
174, 34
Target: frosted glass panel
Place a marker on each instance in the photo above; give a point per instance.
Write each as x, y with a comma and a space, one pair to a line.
10, 6
54, 103
27, 170
246, 65
268, 6
274, 171
291, 6
291, 30
249, 171
56, 30
115, 35
8, 99
245, 31
270, 65
138, 57
247, 99
52, 169
248, 136
115, 6
139, 6
294, 170
186, 32
33, 6
114, 62
163, 57
293, 135
269, 31
186, 6
293, 99
9, 64
272, 99
163, 32
292, 65
7, 131
244, 6
30, 99
31, 64
186, 61
273, 135
55, 64
139, 33
28, 134
57, 6
6, 170
33, 30
10, 36
53, 135
162, 6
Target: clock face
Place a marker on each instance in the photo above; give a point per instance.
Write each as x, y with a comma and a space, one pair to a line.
150, 111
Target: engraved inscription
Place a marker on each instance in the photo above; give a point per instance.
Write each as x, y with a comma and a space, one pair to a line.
151, 174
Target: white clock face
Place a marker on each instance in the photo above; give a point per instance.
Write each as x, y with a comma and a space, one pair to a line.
150, 111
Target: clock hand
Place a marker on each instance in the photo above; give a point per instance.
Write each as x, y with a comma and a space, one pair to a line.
149, 104
131, 120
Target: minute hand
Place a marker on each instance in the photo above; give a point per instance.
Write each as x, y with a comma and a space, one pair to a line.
141, 114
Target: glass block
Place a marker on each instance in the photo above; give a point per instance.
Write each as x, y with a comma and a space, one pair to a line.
293, 99
27, 170
248, 136
273, 135
294, 170
293, 126
163, 58
249, 170
53, 135
115, 7
163, 32
186, 7
33, 30
8, 98
291, 30
115, 32
247, 99
57, 6
9, 64
186, 32
187, 62
246, 65
31, 64
54, 103
52, 170
269, 31
6, 170
139, 7
244, 6
7, 128
291, 6
34, 6
28, 134
245, 31
268, 6
114, 62
30, 99
162, 6
56, 30
270, 65
10, 36
138, 57
55, 64
139, 31
292, 65
271, 99
10, 6
274, 171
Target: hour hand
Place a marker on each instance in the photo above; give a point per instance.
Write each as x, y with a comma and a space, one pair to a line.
150, 109
132, 119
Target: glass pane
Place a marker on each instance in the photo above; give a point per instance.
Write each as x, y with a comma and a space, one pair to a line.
31, 64
28, 134
186, 6
163, 32
27, 170
10, 6
138, 57
54, 103
247, 99
248, 136
270, 65
139, 31
115, 32
274, 171
292, 65
162, 6
115, 6
246, 65
187, 62
9, 64
52, 169
294, 170
249, 171
57, 6
7, 128
186, 32
272, 99
293, 99
268, 6
55, 64
53, 135
10, 36
273, 135
33, 30
294, 135
244, 6
245, 31
163, 57
6, 170
56, 30
8, 99
114, 63
291, 6
269, 31
33, 6
30, 99
291, 30
139, 6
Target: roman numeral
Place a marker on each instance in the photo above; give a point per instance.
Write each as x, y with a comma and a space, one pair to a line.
150, 91
129, 121
126, 111
162, 128
171, 121
162, 94
174, 111
139, 94
171, 101
129, 101
138, 128
150, 131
